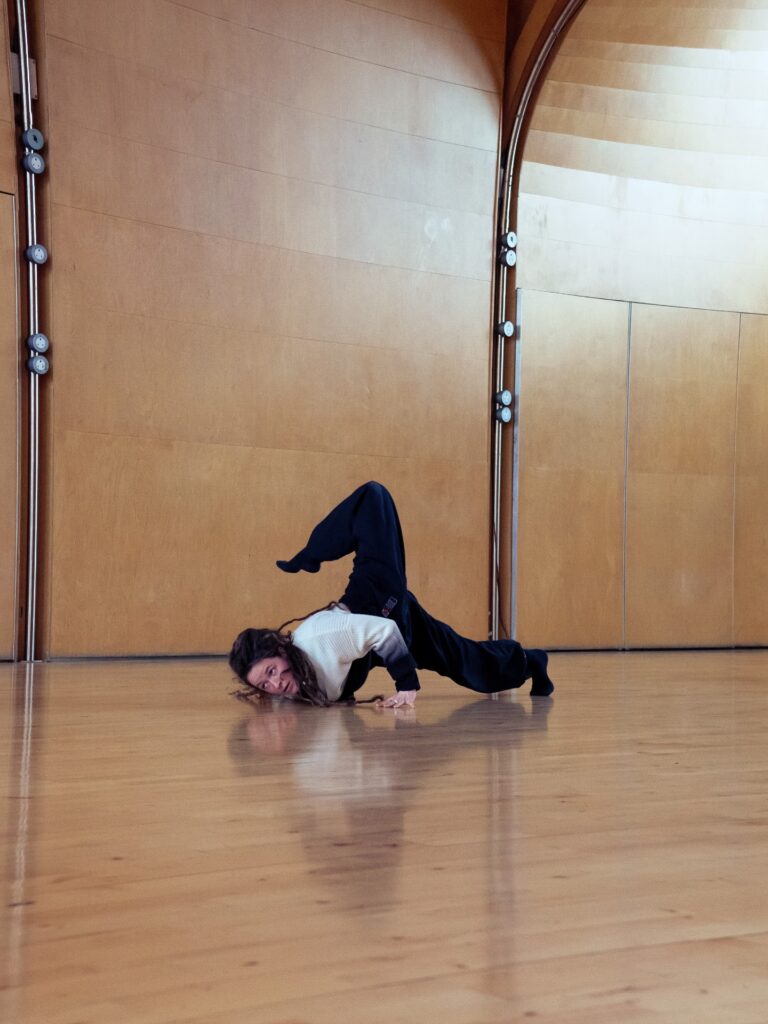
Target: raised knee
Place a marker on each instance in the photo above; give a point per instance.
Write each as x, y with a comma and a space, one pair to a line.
374, 487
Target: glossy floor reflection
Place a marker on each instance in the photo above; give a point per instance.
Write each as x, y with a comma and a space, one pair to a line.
172, 855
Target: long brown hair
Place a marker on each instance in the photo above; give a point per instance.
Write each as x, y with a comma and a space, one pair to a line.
253, 645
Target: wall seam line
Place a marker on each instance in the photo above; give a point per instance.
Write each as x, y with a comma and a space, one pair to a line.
735, 478
626, 473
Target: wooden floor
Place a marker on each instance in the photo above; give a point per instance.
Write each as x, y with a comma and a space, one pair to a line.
173, 855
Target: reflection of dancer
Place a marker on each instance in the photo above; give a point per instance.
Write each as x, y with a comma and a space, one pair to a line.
280, 736
353, 779
377, 622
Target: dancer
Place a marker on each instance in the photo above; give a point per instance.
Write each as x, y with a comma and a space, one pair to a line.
377, 621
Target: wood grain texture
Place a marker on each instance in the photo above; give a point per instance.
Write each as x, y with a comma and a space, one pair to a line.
643, 180
644, 171
9, 427
203, 279
8, 175
680, 484
716, 26
484, 18
178, 852
218, 54
6, 94
377, 36
187, 570
675, 568
255, 132
291, 414
751, 532
571, 450
277, 271
141, 183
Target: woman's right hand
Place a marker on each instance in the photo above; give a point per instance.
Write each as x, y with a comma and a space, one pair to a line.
402, 699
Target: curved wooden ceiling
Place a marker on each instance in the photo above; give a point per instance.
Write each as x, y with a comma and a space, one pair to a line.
645, 170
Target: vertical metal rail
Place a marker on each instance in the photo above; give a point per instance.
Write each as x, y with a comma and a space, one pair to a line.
24, 717
498, 426
506, 224
512, 607
34, 382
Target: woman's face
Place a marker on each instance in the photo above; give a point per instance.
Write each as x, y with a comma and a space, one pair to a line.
275, 676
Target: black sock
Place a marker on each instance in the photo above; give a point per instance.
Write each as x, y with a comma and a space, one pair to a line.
541, 684
299, 563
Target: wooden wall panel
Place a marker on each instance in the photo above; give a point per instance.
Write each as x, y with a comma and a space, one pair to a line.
718, 26
284, 213
191, 567
253, 132
271, 281
8, 175
680, 484
183, 364
9, 427
751, 531
203, 279
9, 356
483, 18
214, 53
6, 95
378, 36
572, 413
644, 171
643, 180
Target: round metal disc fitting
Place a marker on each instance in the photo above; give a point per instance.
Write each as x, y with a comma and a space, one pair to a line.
38, 342
36, 254
503, 397
508, 257
38, 364
33, 162
509, 239
506, 329
33, 138
504, 414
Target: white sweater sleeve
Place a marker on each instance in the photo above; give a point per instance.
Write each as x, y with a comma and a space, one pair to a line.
334, 639
372, 633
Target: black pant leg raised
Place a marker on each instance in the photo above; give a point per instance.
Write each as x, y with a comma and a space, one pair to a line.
365, 523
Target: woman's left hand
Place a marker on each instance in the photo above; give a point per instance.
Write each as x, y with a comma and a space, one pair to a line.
402, 699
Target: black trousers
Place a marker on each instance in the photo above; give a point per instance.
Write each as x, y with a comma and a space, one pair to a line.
367, 524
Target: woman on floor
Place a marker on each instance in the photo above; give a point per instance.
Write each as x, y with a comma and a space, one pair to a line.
378, 621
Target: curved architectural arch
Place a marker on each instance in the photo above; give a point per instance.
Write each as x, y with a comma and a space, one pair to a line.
525, 67
641, 207
644, 166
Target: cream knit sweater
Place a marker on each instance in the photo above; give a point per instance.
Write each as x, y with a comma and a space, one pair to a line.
332, 639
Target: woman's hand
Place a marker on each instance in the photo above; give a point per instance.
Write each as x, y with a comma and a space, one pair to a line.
402, 699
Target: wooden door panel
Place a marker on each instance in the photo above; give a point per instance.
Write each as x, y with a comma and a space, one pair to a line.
9, 427
572, 412
751, 530
680, 477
